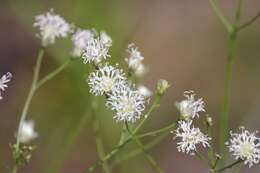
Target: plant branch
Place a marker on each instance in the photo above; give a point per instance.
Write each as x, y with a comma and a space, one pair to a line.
151, 160
221, 16
246, 24
229, 166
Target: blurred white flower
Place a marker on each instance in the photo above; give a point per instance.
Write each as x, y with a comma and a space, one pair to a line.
127, 103
190, 137
105, 79
95, 51
135, 60
51, 26
189, 108
3, 82
162, 86
27, 133
105, 39
80, 40
143, 90
245, 146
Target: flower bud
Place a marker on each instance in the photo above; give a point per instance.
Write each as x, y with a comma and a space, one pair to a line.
162, 86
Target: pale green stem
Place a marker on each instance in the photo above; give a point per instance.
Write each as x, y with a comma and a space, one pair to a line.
149, 158
36, 71
156, 104
53, 74
229, 166
221, 16
30, 95
99, 140
201, 157
246, 24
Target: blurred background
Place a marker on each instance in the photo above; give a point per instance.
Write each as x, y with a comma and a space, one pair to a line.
182, 41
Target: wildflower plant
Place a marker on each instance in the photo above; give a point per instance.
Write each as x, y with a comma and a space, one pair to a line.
128, 100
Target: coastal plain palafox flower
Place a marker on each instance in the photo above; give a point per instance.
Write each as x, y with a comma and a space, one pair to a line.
143, 90
190, 137
95, 51
127, 103
3, 82
105, 79
245, 146
51, 26
135, 59
79, 40
190, 107
27, 133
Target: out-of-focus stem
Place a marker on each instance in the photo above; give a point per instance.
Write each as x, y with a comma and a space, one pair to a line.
99, 140
149, 158
229, 166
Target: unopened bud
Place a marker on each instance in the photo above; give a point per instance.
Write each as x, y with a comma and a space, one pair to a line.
162, 86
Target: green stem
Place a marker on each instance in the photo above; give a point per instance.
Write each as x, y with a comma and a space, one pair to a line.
30, 95
151, 160
220, 15
210, 150
156, 104
229, 166
156, 132
15, 168
136, 152
246, 24
99, 141
53, 74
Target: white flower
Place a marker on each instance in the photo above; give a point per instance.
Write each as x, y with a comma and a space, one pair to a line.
190, 137
105, 79
51, 26
127, 103
135, 60
3, 82
143, 90
95, 51
245, 146
80, 40
105, 39
189, 108
27, 132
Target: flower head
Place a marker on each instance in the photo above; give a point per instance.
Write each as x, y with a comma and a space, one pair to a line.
190, 108
95, 51
105, 79
51, 26
127, 103
80, 40
3, 82
105, 39
162, 86
135, 60
143, 90
27, 133
190, 137
245, 146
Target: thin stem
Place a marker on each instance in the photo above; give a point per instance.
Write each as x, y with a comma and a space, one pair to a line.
246, 24
221, 16
229, 166
53, 74
156, 132
99, 140
156, 104
136, 152
151, 160
15, 168
210, 150
201, 157
30, 95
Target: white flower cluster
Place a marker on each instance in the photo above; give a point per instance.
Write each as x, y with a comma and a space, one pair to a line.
190, 108
51, 26
3, 82
96, 48
190, 137
245, 146
80, 40
27, 133
134, 60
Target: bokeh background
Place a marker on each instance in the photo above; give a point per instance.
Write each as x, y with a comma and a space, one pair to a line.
181, 40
